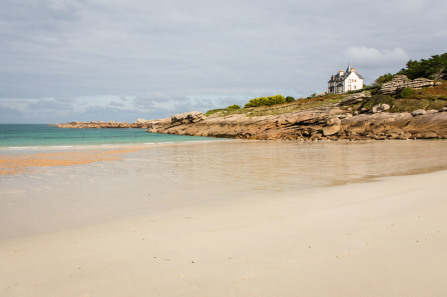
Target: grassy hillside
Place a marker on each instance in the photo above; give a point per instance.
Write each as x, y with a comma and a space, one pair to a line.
299, 104
407, 100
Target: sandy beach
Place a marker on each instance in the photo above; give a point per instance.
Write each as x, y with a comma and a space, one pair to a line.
377, 236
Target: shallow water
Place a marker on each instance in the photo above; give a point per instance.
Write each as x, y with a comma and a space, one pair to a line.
182, 175
37, 136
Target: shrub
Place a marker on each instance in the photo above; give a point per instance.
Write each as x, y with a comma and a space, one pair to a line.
290, 99
267, 101
405, 93
234, 106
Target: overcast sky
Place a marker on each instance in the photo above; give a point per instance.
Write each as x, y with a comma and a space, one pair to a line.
83, 60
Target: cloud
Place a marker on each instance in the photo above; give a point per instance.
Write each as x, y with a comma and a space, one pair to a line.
165, 56
9, 112
372, 56
50, 105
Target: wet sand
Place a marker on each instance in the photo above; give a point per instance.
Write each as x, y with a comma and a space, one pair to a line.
379, 236
29, 162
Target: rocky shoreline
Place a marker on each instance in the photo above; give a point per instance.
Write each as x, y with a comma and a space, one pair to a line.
328, 122
102, 125
345, 120
324, 123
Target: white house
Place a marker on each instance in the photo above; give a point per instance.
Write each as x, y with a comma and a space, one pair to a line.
345, 81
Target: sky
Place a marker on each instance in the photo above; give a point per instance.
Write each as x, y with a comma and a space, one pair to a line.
121, 60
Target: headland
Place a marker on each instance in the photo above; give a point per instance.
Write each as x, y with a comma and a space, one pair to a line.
399, 109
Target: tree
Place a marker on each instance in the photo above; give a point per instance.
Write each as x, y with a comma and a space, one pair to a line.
433, 68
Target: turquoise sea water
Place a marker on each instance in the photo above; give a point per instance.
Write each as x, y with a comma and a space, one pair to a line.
15, 136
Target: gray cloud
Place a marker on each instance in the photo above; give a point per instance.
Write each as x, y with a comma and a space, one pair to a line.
158, 56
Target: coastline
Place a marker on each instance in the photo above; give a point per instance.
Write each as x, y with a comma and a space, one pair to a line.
361, 115
385, 238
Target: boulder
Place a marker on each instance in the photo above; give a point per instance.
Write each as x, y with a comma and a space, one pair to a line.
188, 117
380, 107
332, 126
418, 112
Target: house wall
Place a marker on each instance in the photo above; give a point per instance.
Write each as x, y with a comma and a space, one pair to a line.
352, 82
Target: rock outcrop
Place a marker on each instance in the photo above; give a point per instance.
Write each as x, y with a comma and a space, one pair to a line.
329, 122
97, 125
400, 82
140, 123
355, 98
187, 117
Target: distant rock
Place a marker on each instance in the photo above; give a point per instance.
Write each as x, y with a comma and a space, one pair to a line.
141, 123
94, 125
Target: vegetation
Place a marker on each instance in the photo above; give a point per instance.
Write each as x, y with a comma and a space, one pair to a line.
405, 93
383, 79
409, 100
234, 106
213, 111
290, 99
432, 68
267, 101
299, 104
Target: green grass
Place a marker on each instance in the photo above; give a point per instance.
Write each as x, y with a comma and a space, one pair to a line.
299, 104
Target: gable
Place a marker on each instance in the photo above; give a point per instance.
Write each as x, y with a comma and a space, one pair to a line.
354, 75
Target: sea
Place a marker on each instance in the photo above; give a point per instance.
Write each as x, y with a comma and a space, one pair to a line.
34, 136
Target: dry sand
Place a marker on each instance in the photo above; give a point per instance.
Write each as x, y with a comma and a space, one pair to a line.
381, 238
